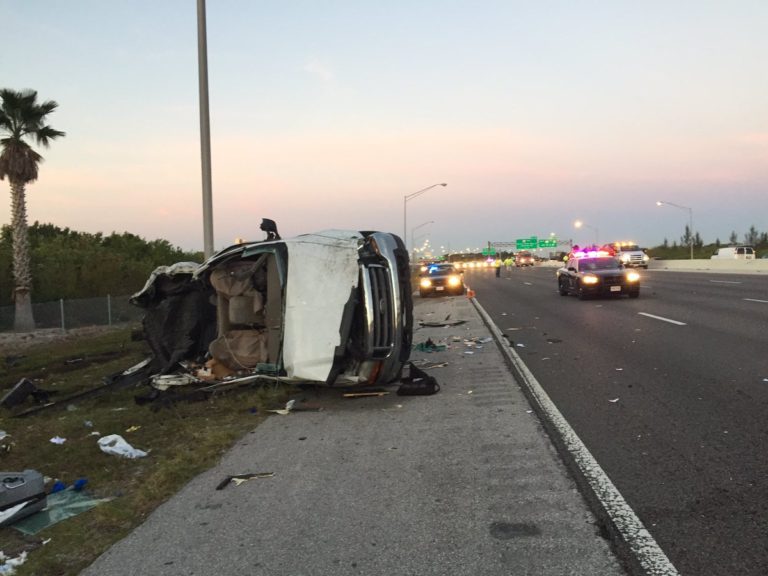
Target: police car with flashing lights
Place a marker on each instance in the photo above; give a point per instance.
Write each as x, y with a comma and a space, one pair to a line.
441, 278
596, 273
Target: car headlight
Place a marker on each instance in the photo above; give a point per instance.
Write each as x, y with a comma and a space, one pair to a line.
590, 279
646, 257
633, 276
454, 281
425, 283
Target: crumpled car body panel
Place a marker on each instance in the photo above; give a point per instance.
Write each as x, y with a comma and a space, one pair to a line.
331, 307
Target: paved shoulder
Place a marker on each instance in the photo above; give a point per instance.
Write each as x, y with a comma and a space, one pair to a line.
464, 482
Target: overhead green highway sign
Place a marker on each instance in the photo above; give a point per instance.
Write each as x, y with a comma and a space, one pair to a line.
547, 243
526, 243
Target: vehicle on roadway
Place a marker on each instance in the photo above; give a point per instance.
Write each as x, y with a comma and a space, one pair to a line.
629, 253
441, 278
333, 307
596, 273
524, 259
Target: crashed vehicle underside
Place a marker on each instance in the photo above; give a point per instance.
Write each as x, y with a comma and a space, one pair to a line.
333, 307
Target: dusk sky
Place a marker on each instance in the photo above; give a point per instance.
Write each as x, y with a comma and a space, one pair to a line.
324, 114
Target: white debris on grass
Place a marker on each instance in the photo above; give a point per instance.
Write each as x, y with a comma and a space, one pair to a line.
8, 565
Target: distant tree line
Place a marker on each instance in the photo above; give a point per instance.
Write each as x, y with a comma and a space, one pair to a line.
753, 237
68, 264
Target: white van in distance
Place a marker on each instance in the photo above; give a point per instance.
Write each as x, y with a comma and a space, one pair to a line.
734, 253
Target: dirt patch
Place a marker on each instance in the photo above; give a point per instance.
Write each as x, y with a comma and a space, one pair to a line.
11, 342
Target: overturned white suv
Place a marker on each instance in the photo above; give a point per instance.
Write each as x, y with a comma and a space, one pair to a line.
332, 307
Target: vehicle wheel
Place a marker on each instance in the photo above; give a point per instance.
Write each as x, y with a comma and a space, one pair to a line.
634, 294
423, 294
582, 294
563, 289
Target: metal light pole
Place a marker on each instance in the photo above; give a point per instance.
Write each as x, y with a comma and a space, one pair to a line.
690, 219
405, 204
579, 224
413, 230
205, 130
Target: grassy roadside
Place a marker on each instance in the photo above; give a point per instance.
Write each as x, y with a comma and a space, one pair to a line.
183, 440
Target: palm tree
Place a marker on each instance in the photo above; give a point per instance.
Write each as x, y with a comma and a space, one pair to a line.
22, 117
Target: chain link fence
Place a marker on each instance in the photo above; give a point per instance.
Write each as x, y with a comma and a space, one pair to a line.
77, 313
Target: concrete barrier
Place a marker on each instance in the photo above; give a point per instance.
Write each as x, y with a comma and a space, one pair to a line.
759, 266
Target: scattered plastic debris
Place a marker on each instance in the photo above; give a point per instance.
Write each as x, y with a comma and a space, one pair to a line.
3, 434
619, 369
60, 506
132, 429
365, 394
58, 440
426, 364
430, 346
8, 565
614, 400
88, 424
238, 479
58, 486
520, 345
116, 444
284, 411
441, 324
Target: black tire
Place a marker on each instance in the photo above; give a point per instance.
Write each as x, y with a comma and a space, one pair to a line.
423, 294
582, 294
563, 289
634, 294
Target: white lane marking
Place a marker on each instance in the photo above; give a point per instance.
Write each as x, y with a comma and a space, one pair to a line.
756, 300
724, 282
662, 318
641, 544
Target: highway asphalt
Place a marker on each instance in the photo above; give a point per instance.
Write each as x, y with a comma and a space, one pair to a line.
464, 482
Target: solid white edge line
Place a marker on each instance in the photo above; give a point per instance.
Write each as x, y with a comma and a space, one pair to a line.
756, 300
641, 544
662, 319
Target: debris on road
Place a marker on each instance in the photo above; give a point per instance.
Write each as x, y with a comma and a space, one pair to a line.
430, 346
365, 394
238, 479
284, 411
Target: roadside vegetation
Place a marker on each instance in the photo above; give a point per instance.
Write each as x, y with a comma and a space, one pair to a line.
681, 250
182, 438
68, 264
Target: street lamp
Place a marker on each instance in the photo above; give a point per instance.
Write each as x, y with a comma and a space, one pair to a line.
690, 220
411, 196
579, 224
413, 243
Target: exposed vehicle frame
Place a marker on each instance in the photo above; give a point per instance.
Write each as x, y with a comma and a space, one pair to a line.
333, 307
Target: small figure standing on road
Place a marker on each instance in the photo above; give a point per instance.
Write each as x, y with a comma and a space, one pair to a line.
497, 264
